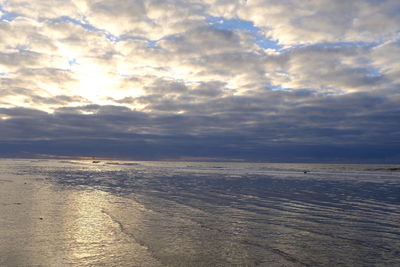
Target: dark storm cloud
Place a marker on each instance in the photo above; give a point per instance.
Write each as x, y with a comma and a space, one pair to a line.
239, 126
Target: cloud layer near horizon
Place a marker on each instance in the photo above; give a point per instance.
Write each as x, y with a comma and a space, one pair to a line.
243, 76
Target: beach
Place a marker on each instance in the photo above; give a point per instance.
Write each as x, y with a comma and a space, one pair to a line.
80, 213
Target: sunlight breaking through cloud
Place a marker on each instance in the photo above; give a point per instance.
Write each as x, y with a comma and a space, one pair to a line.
250, 68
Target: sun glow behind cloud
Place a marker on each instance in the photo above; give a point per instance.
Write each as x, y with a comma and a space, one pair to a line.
251, 68
105, 63
94, 82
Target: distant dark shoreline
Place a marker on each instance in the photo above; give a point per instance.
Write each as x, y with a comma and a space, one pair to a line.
391, 166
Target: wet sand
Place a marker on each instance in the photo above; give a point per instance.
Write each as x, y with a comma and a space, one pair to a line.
42, 225
56, 213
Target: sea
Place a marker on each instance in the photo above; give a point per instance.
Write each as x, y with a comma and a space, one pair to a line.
132, 213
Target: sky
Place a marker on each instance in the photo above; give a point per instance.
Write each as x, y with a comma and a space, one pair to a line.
256, 80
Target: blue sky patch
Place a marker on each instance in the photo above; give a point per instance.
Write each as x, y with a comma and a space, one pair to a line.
278, 87
152, 44
238, 24
73, 62
7, 16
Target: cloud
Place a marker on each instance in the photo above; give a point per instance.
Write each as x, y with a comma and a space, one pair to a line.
173, 72
236, 124
207, 40
265, 117
385, 58
294, 22
40, 9
340, 69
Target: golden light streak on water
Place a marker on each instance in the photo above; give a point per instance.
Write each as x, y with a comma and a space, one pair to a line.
50, 227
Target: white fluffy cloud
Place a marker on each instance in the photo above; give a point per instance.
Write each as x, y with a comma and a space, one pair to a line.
303, 22
130, 53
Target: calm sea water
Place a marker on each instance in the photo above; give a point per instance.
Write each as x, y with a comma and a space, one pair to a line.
79, 213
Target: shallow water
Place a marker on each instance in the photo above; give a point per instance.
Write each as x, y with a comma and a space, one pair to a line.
78, 213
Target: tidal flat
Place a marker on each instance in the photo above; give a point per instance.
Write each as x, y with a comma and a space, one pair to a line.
115, 213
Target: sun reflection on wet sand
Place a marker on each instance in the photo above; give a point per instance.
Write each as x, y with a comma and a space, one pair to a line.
67, 213
44, 226
94, 237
